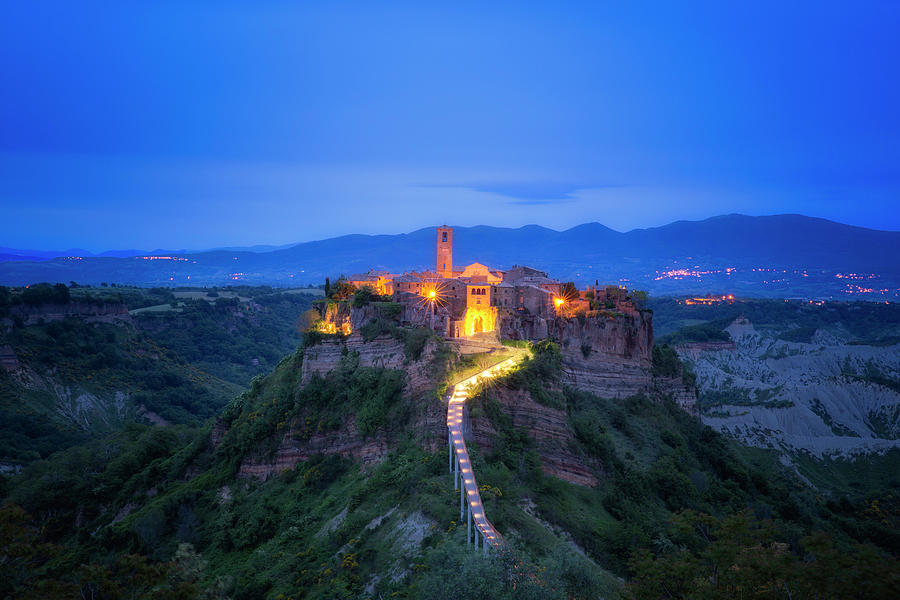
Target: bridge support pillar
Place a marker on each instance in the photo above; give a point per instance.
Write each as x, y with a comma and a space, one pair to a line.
468, 523
450, 447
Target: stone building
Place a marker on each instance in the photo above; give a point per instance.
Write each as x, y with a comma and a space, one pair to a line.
444, 263
381, 282
476, 299
465, 301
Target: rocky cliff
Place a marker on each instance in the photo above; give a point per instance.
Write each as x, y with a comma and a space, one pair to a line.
548, 428
88, 311
428, 418
608, 354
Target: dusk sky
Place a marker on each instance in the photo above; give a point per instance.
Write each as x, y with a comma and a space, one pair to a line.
198, 124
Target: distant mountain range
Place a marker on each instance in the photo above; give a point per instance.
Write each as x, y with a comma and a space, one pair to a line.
780, 255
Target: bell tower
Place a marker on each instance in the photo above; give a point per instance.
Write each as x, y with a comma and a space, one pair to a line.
444, 251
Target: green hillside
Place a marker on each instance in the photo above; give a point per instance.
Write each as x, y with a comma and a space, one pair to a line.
90, 360
674, 500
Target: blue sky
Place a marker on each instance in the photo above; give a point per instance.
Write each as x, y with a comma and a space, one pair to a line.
198, 124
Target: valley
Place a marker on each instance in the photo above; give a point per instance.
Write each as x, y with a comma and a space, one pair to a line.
91, 361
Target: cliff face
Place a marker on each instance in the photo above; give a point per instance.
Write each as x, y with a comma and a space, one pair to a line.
343, 317
607, 355
89, 311
549, 429
819, 398
384, 351
681, 393
346, 441
547, 426
428, 418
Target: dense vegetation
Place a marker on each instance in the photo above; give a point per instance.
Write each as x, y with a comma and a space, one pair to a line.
679, 510
230, 338
164, 512
180, 355
867, 322
93, 361
663, 469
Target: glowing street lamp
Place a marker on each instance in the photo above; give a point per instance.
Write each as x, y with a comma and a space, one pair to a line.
431, 293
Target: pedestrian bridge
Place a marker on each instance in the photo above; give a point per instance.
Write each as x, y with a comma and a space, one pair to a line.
470, 505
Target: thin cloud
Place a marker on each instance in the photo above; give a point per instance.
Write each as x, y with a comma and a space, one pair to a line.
530, 193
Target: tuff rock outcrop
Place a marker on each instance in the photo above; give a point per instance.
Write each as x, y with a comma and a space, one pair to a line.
90, 312
547, 426
608, 354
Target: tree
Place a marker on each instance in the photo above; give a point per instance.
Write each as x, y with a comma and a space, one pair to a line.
342, 289
639, 298
44, 293
738, 556
568, 291
61, 294
307, 321
363, 296
665, 361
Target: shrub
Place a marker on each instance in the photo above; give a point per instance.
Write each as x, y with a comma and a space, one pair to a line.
414, 342
375, 328
665, 361
388, 310
363, 296
44, 293
341, 290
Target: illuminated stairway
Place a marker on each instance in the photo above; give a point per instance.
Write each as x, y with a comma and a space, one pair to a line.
461, 468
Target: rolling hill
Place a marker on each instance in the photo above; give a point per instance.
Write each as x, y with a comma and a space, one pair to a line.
779, 255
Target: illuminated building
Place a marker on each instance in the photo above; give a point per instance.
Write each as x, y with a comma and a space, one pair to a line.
475, 299
381, 282
444, 263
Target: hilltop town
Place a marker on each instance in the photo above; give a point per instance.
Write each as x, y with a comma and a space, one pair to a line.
463, 302
605, 336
